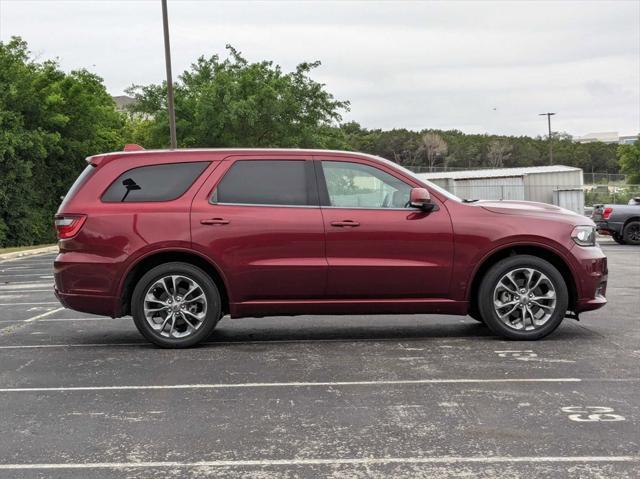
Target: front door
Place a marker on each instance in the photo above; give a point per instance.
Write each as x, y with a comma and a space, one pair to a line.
378, 246
258, 219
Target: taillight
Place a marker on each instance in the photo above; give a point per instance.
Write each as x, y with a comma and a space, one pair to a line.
67, 226
607, 212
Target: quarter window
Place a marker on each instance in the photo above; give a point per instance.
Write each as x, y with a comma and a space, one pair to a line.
154, 183
354, 185
267, 182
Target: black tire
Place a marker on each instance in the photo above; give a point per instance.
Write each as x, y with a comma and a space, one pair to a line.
490, 281
617, 238
211, 293
474, 313
631, 233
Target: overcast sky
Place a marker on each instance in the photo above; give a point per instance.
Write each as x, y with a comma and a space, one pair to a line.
474, 66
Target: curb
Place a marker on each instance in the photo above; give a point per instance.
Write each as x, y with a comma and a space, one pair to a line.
29, 252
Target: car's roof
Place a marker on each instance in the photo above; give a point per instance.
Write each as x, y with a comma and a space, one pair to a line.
107, 157
235, 150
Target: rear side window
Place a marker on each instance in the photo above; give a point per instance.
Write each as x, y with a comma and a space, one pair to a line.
81, 180
154, 183
267, 182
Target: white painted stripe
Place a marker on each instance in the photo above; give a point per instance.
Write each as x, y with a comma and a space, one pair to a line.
55, 320
288, 384
39, 274
22, 323
25, 290
27, 304
44, 315
71, 345
364, 461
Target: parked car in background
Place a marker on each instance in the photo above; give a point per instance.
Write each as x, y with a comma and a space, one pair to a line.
180, 238
621, 222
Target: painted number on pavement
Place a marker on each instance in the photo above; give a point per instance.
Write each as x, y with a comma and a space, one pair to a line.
520, 355
592, 414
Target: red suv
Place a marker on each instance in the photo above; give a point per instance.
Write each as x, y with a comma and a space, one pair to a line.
180, 238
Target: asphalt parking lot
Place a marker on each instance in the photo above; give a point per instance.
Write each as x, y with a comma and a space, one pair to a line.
351, 396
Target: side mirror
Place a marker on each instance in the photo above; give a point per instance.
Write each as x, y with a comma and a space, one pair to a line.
420, 198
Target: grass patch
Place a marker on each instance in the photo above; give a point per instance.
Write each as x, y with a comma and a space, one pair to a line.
23, 248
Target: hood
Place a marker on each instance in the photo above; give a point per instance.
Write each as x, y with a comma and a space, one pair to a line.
524, 208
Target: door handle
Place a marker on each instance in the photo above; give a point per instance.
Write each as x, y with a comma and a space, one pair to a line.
214, 221
341, 224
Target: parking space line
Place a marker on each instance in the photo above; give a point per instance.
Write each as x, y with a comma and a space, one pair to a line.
40, 274
28, 304
44, 315
356, 461
55, 320
21, 323
24, 292
290, 384
72, 345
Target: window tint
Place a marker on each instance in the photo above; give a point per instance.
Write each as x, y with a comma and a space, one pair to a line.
154, 183
266, 182
80, 180
352, 185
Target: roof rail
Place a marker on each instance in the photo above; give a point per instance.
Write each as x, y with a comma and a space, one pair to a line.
132, 147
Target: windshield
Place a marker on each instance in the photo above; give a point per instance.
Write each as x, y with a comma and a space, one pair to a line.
410, 173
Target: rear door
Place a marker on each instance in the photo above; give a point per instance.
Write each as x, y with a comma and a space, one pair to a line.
378, 246
259, 220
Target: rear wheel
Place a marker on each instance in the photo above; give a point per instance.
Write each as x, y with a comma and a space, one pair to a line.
631, 233
176, 305
523, 297
617, 238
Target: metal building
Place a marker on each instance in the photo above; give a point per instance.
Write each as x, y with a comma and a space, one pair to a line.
556, 184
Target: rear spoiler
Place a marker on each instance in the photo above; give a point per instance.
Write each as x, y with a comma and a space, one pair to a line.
98, 159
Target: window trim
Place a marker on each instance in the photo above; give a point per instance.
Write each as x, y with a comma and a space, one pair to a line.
150, 165
310, 180
323, 191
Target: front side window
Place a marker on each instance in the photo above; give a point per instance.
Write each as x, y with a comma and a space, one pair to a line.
154, 182
267, 182
353, 185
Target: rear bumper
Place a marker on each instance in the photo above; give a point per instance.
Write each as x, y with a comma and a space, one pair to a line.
87, 303
86, 283
609, 227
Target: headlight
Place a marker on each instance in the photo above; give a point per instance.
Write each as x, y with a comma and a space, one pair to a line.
584, 235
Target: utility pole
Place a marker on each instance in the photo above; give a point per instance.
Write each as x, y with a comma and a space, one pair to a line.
167, 59
549, 115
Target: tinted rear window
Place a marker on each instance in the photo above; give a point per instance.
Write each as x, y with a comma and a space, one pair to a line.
80, 180
266, 182
154, 183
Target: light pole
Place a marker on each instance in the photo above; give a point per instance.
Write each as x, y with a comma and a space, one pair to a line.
549, 115
167, 59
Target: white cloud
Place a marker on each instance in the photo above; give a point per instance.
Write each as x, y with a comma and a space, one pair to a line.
401, 64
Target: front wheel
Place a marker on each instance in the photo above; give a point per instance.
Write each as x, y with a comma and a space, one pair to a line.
176, 305
523, 297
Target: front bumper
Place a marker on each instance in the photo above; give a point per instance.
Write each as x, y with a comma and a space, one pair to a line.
591, 274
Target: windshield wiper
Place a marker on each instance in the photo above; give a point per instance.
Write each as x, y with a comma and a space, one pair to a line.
466, 200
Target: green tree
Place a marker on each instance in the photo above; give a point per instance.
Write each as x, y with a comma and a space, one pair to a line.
234, 103
629, 160
49, 122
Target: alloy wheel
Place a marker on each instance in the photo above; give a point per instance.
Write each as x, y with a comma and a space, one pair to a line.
524, 299
175, 306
